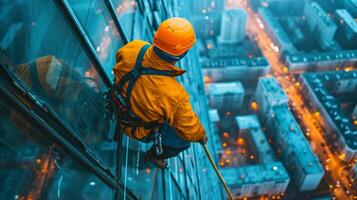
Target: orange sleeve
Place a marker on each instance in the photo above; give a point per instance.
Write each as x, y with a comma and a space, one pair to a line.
186, 122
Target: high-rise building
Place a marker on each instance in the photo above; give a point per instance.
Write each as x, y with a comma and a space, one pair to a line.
296, 154
55, 139
226, 96
320, 23
233, 25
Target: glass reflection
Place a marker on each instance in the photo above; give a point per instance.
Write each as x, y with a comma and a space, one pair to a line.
32, 167
100, 28
126, 10
48, 59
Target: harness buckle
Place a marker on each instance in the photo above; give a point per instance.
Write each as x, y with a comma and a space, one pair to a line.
158, 141
135, 73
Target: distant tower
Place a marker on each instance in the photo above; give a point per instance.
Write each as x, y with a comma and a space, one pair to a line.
233, 25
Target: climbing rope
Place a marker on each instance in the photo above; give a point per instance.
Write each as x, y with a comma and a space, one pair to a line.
217, 172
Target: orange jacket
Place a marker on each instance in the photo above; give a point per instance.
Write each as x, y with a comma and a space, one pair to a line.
157, 98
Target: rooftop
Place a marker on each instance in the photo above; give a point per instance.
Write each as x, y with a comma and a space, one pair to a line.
213, 115
247, 122
347, 19
225, 88
236, 62
322, 56
251, 124
272, 90
321, 14
295, 142
330, 105
237, 177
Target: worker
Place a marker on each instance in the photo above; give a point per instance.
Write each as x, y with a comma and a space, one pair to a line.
151, 105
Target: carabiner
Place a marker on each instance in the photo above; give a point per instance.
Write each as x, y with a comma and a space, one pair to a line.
158, 142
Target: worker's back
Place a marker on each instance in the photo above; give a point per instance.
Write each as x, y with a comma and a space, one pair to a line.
154, 97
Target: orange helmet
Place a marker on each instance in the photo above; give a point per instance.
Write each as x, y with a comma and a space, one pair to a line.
175, 36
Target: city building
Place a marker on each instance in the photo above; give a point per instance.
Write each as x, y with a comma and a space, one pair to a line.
233, 25
268, 95
267, 176
226, 96
347, 29
286, 7
301, 62
60, 145
206, 17
276, 32
337, 126
320, 24
296, 34
245, 70
288, 139
257, 180
249, 129
301, 162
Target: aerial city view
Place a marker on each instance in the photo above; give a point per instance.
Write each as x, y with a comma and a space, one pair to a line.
178, 99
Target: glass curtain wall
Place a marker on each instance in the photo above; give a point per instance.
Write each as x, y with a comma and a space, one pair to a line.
56, 56
32, 166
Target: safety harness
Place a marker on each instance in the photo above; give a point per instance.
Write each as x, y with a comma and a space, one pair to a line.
119, 104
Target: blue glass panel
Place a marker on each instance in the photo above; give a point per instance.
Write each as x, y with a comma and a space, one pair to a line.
45, 55
100, 28
126, 10
32, 167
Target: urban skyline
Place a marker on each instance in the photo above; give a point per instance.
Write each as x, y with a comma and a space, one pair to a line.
273, 82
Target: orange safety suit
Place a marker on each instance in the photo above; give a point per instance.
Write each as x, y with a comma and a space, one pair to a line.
157, 98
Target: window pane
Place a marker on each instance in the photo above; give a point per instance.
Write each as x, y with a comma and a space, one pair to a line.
129, 15
99, 26
126, 10
48, 59
136, 173
32, 167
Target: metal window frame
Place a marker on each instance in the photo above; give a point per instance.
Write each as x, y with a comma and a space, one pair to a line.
116, 20
42, 117
76, 26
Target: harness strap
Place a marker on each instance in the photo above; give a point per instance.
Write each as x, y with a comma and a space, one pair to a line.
128, 117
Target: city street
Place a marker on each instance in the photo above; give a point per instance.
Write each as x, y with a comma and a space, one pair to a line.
339, 184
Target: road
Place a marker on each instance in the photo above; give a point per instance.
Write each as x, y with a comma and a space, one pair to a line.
339, 184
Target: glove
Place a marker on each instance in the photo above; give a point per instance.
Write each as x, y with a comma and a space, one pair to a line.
203, 141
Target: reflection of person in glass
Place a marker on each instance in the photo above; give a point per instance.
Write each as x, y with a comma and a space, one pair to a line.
68, 93
158, 101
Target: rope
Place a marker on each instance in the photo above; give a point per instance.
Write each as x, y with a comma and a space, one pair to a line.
217, 172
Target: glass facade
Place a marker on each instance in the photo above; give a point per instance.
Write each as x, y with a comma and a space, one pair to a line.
62, 52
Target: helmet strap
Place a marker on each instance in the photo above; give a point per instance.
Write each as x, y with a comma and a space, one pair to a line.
168, 57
